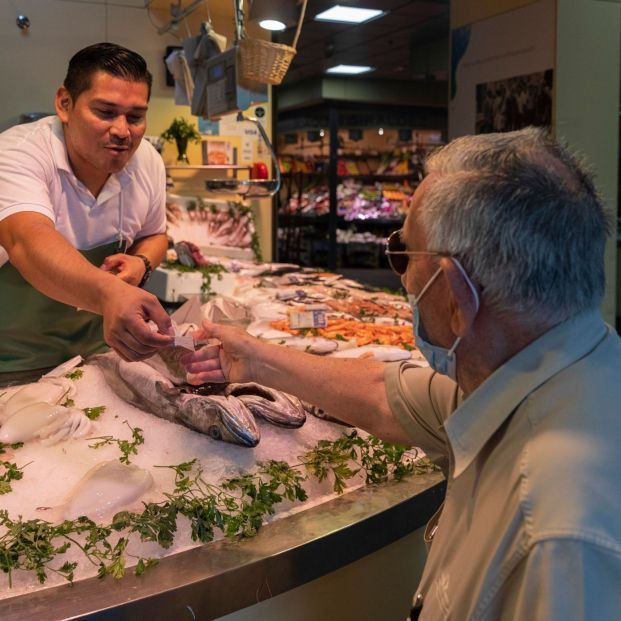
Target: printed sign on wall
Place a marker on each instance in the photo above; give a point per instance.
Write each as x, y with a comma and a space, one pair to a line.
502, 71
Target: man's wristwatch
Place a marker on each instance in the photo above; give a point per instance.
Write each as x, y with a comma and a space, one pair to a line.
147, 269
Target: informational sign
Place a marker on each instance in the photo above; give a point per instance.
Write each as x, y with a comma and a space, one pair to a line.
217, 152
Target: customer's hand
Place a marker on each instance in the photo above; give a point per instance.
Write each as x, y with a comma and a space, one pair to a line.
230, 358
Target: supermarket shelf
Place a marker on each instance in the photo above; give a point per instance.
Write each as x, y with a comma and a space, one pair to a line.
209, 167
306, 220
413, 176
388, 177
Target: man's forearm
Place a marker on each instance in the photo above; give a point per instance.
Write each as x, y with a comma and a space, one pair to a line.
153, 247
54, 267
348, 389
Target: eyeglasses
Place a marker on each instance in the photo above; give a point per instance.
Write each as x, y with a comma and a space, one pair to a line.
398, 256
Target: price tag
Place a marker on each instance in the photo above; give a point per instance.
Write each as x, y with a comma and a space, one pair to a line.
313, 316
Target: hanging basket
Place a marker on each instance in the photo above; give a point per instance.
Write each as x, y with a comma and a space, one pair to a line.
267, 62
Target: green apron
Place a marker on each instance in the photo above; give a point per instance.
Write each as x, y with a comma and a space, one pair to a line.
38, 333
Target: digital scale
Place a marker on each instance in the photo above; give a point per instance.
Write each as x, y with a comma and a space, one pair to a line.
227, 90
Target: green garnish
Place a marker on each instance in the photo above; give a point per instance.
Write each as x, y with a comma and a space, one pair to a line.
236, 507
94, 413
126, 447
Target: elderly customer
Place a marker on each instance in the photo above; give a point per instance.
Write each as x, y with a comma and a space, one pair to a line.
502, 257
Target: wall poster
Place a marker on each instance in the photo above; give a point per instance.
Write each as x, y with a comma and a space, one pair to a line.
514, 103
502, 71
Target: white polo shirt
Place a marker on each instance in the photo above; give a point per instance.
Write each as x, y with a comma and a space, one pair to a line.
35, 175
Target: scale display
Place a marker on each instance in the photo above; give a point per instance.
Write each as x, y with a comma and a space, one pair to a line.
227, 90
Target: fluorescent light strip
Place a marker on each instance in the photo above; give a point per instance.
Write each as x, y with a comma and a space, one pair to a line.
348, 15
349, 69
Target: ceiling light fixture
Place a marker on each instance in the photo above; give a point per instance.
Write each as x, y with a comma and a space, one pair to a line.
274, 15
348, 15
272, 24
349, 69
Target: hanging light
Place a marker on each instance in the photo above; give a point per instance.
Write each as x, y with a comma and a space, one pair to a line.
274, 15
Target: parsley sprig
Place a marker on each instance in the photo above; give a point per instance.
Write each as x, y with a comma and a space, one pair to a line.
126, 447
237, 507
9, 471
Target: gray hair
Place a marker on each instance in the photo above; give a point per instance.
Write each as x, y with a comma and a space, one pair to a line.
524, 218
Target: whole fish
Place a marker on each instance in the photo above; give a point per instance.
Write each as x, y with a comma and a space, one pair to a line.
274, 406
221, 417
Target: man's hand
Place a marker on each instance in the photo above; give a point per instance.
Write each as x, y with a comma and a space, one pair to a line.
228, 361
126, 312
126, 266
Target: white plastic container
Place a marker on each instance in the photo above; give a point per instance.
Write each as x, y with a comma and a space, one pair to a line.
174, 286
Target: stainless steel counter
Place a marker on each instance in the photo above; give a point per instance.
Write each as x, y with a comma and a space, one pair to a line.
224, 576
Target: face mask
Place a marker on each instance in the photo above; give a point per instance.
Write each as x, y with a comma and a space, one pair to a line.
440, 359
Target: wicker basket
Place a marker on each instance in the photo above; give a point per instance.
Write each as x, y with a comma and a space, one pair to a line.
264, 61
267, 62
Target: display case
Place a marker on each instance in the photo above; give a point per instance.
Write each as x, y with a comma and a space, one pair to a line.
346, 188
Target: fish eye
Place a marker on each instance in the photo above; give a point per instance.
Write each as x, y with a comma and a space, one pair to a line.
215, 433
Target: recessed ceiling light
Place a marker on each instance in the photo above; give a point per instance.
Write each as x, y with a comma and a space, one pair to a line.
272, 24
349, 69
348, 15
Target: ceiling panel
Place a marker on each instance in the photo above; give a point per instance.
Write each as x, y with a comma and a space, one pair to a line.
384, 43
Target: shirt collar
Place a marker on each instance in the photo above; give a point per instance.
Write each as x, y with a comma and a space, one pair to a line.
474, 422
59, 149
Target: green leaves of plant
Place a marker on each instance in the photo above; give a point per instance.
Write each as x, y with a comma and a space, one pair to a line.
237, 507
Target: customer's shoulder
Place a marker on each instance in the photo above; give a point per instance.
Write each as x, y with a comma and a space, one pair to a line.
571, 461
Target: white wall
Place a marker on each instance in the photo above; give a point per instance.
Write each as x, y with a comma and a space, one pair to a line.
33, 63
588, 49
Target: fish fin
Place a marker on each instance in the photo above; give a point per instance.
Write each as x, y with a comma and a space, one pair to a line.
167, 391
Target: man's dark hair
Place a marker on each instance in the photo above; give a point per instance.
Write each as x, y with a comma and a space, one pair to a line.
109, 57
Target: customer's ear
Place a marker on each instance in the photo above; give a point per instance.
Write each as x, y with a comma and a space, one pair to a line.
463, 305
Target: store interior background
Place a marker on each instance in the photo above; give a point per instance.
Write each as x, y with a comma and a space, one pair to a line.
410, 50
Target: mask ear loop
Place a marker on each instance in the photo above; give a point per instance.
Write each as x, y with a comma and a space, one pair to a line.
474, 293
429, 283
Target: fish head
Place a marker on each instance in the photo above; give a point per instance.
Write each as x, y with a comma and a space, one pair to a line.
237, 422
272, 405
222, 418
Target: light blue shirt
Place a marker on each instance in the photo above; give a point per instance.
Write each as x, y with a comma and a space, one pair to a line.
531, 524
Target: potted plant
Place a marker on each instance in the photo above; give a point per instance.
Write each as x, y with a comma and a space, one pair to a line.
181, 132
